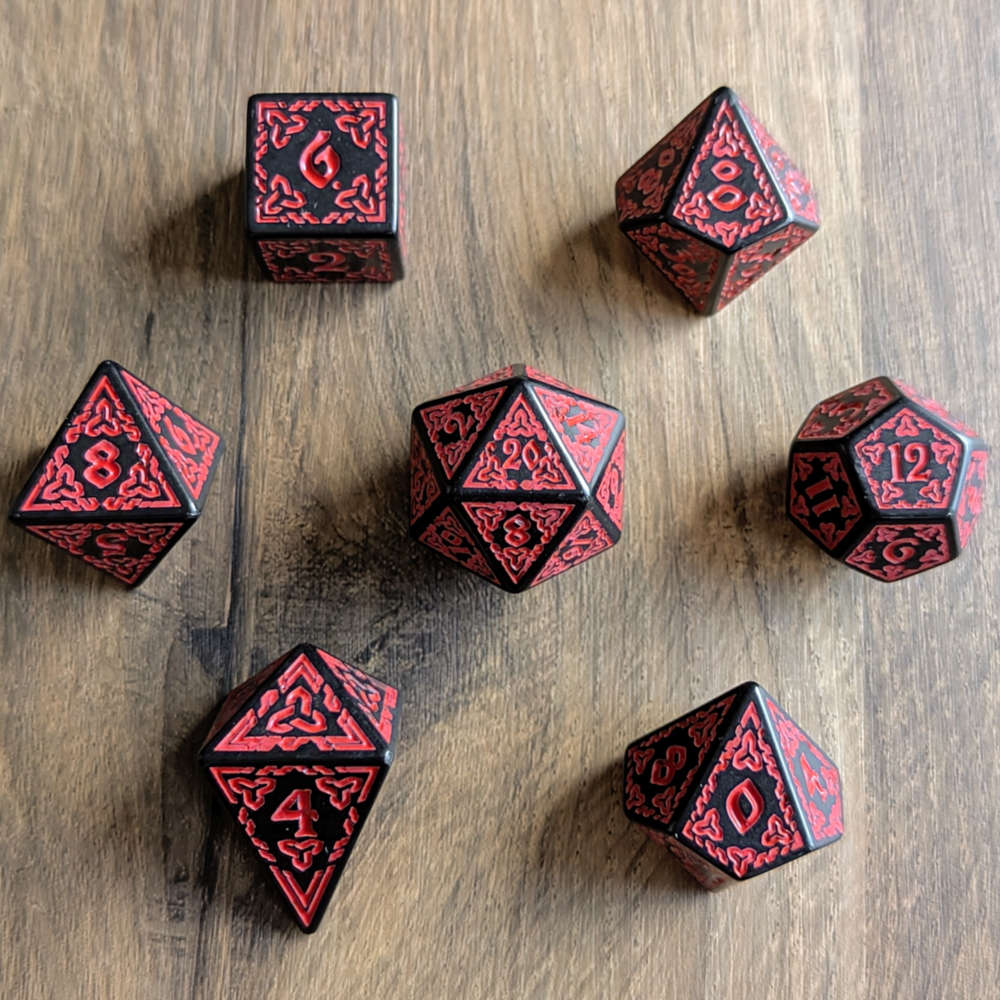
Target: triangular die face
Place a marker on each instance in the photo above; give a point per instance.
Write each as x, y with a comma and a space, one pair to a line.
519, 455
373, 699
660, 767
518, 534
100, 462
499, 375
424, 489
189, 445
299, 711
302, 821
586, 538
584, 427
611, 489
815, 778
727, 194
127, 549
743, 817
448, 536
454, 426
645, 187
689, 264
792, 181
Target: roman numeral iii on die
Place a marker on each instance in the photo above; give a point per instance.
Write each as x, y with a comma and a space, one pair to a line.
123, 479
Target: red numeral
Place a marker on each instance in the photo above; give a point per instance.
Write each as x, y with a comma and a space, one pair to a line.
518, 454
515, 530
297, 808
916, 452
103, 470
744, 805
823, 486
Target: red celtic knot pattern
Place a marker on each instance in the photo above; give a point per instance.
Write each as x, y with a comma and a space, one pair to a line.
660, 767
445, 534
586, 539
821, 498
332, 200
755, 260
686, 262
517, 533
611, 489
536, 376
189, 444
643, 189
971, 503
816, 780
848, 410
519, 456
121, 471
373, 698
322, 261
789, 177
126, 549
934, 407
909, 462
300, 709
710, 202
775, 832
584, 427
491, 379
424, 489
893, 551
454, 426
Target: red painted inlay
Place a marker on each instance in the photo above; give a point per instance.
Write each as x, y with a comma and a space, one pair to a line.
454, 426
586, 539
611, 489
446, 535
893, 551
584, 427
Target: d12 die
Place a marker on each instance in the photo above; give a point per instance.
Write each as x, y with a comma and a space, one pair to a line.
298, 754
734, 788
323, 186
517, 476
716, 203
885, 480
123, 479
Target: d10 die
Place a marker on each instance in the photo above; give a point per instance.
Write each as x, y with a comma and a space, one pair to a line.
323, 186
517, 477
123, 479
716, 203
885, 480
734, 788
299, 753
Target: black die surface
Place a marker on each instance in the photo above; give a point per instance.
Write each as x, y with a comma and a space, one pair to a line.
323, 195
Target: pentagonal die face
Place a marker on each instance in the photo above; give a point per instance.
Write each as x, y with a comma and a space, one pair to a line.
886, 480
517, 477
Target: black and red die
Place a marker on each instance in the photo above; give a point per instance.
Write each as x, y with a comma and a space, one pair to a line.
886, 480
323, 186
734, 788
298, 754
716, 203
123, 479
517, 476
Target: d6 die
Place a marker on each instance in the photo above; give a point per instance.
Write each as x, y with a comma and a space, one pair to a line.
323, 186
716, 203
517, 476
885, 480
123, 479
734, 788
298, 754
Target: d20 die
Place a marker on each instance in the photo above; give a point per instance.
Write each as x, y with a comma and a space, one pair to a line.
323, 186
734, 788
298, 754
517, 476
716, 203
886, 480
123, 479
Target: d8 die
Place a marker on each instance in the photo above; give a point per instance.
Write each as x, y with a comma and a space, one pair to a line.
716, 203
885, 480
123, 479
734, 788
517, 476
298, 754
323, 186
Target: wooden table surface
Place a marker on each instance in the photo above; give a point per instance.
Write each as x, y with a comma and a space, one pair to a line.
498, 862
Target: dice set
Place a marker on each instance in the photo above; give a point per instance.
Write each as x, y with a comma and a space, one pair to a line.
516, 477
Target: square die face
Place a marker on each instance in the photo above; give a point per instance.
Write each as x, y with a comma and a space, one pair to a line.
322, 165
330, 260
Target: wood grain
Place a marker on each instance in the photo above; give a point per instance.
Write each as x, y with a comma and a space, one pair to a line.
498, 862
